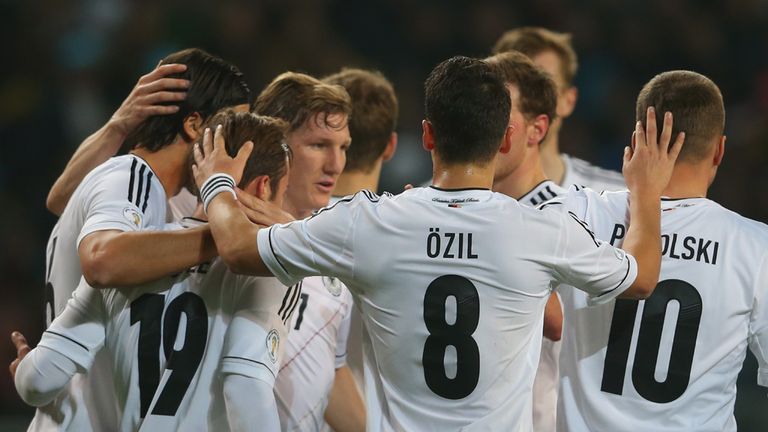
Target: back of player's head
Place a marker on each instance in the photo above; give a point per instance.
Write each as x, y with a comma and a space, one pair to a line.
538, 93
374, 115
215, 84
533, 41
696, 104
296, 97
270, 153
468, 106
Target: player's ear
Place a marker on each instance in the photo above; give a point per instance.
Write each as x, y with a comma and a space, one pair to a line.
192, 127
567, 102
506, 142
259, 187
389, 150
719, 152
540, 126
427, 135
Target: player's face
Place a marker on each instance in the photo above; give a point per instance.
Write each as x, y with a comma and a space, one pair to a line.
519, 126
549, 62
319, 155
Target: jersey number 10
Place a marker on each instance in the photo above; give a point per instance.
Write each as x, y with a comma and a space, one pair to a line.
147, 310
649, 341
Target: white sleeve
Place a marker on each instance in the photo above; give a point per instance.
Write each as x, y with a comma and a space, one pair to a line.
758, 324
343, 334
116, 202
78, 333
250, 404
260, 357
589, 264
320, 245
42, 375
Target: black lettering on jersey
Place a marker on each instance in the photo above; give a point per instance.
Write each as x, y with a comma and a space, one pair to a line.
450, 248
619, 231
690, 248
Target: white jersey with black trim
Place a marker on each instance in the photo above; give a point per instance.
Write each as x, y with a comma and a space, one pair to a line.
668, 363
121, 194
170, 344
432, 269
582, 173
317, 346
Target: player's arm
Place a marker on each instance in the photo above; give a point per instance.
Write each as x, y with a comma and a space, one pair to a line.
250, 404
647, 171
151, 96
553, 318
758, 323
68, 346
113, 258
346, 410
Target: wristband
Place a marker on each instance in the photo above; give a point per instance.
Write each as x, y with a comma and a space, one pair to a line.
215, 185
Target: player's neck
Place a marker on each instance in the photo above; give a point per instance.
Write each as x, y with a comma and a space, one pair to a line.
351, 182
553, 165
462, 176
522, 180
168, 164
688, 181
297, 211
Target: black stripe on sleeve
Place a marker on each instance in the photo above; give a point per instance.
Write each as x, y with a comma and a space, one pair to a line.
130, 184
146, 194
68, 338
295, 303
542, 196
141, 185
620, 283
291, 303
586, 228
272, 248
252, 361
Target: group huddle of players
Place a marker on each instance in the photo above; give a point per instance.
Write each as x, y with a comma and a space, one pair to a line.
232, 270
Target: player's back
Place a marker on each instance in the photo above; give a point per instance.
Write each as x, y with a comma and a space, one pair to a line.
669, 363
452, 286
220, 323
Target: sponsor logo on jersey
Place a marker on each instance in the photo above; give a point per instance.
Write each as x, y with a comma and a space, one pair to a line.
132, 216
333, 285
273, 343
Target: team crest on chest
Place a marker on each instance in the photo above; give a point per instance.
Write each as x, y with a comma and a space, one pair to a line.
132, 216
333, 285
273, 343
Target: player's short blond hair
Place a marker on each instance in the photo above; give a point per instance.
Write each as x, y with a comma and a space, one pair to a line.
533, 41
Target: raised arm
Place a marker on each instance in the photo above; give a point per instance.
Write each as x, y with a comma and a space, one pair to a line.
151, 96
647, 171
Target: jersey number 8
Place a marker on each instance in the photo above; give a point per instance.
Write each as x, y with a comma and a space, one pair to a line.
458, 335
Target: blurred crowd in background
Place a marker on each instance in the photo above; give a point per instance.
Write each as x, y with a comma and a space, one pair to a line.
69, 64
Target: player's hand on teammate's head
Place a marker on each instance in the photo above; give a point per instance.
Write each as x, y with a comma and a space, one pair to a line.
648, 164
261, 212
212, 158
154, 94
22, 349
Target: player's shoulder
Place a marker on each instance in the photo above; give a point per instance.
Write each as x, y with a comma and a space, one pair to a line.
735, 222
584, 173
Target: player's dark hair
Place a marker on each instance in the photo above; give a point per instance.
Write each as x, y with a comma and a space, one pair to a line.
374, 115
538, 92
533, 41
468, 106
296, 97
214, 84
696, 105
269, 149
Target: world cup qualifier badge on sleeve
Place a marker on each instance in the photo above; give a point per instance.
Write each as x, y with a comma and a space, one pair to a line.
273, 343
333, 285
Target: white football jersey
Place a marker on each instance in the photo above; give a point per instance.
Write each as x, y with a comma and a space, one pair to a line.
182, 205
170, 343
668, 363
545, 383
451, 285
317, 346
582, 173
121, 194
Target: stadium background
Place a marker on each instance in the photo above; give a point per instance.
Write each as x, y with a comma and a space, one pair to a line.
69, 64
